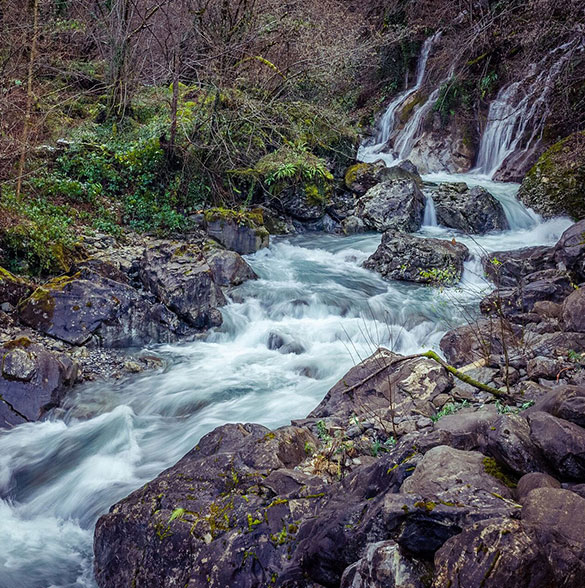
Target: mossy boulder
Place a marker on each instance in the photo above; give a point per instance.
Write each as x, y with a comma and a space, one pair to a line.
240, 231
556, 183
13, 288
360, 177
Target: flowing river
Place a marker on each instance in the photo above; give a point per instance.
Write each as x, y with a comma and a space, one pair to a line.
58, 476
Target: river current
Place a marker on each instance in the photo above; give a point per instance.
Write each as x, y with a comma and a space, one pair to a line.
58, 476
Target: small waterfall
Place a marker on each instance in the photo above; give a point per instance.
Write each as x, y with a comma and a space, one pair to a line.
405, 141
386, 126
430, 216
517, 116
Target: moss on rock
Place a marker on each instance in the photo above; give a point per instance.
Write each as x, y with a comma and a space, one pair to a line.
556, 183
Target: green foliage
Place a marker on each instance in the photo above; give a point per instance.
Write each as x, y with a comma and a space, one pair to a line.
453, 95
449, 408
41, 241
488, 84
382, 446
504, 409
441, 276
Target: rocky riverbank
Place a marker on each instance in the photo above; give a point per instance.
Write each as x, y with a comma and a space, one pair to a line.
403, 475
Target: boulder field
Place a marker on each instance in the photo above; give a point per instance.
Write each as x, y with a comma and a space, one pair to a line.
408, 473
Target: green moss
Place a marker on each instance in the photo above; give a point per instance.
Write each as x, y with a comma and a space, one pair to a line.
428, 506
353, 172
418, 99
492, 468
19, 343
252, 219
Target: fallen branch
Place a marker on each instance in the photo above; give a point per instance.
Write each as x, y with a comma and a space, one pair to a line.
452, 370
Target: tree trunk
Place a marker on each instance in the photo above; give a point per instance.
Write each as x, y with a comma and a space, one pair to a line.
29, 95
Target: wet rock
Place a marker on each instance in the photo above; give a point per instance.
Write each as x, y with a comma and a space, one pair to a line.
32, 380
243, 233
570, 251
416, 259
561, 442
385, 564
543, 367
352, 225
180, 277
394, 204
545, 546
88, 307
384, 382
508, 269
12, 288
225, 515
474, 211
229, 268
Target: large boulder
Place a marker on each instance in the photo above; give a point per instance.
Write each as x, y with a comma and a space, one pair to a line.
394, 204
384, 384
241, 232
544, 548
359, 178
570, 251
479, 340
561, 442
474, 211
180, 277
556, 183
508, 269
416, 259
32, 380
88, 308
573, 311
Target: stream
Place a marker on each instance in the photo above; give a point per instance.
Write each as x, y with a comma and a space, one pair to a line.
58, 476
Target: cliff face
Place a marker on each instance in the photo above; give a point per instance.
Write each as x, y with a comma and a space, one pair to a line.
502, 84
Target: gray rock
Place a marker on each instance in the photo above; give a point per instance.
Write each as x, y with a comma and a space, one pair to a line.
229, 268
88, 307
561, 442
394, 204
544, 548
416, 259
455, 476
32, 380
573, 311
385, 564
359, 178
474, 211
508, 269
180, 277
570, 251
243, 238
533, 481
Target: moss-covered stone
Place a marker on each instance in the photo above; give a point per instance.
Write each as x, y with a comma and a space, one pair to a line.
556, 183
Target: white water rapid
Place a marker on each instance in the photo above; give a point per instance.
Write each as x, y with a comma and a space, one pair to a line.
58, 476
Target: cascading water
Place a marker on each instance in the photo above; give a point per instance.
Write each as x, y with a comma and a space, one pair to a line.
517, 116
58, 476
386, 126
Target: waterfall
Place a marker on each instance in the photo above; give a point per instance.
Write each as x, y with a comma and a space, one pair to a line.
517, 116
386, 126
430, 216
